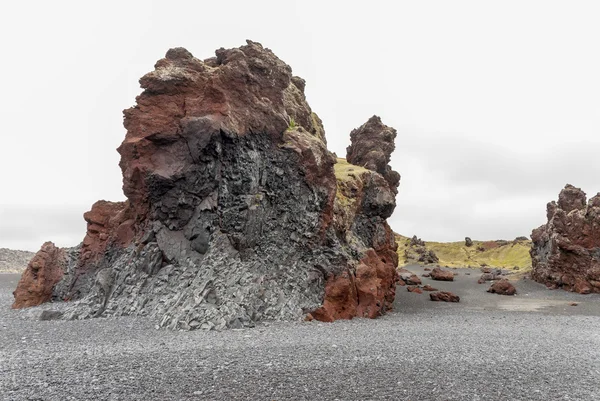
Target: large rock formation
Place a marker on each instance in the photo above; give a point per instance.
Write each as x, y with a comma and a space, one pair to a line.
566, 250
236, 211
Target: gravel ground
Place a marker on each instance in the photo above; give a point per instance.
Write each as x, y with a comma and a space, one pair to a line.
474, 350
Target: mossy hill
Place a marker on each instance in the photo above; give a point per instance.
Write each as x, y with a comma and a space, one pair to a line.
499, 253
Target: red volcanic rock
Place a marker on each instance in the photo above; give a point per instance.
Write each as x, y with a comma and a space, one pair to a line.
409, 277
108, 223
502, 287
236, 211
444, 296
42, 273
565, 251
427, 287
442, 275
372, 145
415, 289
341, 299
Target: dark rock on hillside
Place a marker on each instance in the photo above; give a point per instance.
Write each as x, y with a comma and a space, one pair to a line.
234, 213
566, 250
468, 241
372, 145
416, 252
43, 272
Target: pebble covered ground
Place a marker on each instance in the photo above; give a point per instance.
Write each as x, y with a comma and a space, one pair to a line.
422, 351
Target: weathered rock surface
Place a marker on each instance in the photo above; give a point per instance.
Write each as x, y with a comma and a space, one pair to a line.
43, 272
409, 277
372, 145
444, 296
502, 287
416, 252
566, 250
442, 275
236, 211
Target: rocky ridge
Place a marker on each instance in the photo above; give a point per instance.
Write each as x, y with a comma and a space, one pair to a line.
236, 211
14, 260
566, 250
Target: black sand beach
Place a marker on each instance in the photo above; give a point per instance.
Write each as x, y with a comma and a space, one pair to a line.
532, 346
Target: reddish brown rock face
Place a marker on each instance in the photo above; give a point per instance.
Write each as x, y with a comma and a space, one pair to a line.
566, 250
108, 223
415, 289
502, 287
43, 272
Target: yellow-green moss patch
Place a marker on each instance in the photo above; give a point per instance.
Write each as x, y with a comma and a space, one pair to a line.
507, 254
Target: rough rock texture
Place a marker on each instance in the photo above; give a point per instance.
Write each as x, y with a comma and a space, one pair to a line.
444, 296
415, 289
235, 212
442, 275
416, 252
409, 277
468, 241
502, 287
14, 261
372, 145
566, 250
43, 272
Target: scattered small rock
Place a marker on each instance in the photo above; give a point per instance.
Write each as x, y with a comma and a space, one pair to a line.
427, 287
427, 269
426, 275
468, 241
444, 296
415, 289
409, 277
573, 304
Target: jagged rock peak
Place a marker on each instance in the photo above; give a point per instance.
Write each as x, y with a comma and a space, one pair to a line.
371, 147
565, 251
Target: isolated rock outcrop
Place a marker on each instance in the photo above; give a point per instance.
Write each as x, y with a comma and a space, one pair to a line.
236, 211
43, 272
416, 251
566, 250
372, 146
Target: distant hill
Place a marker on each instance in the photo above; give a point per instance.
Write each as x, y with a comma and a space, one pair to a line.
14, 261
499, 253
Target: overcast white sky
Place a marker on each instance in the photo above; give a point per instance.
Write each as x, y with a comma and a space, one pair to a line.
496, 103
